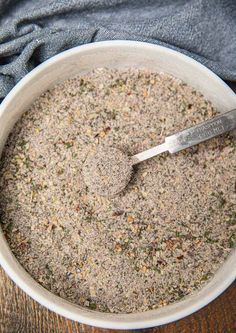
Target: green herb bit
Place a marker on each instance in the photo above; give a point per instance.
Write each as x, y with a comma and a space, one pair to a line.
68, 144
92, 306
231, 241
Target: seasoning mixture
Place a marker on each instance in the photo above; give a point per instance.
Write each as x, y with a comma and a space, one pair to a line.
156, 242
108, 171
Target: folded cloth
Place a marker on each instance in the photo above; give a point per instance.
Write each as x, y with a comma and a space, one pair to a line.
32, 31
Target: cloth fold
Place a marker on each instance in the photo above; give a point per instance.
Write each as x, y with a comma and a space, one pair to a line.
31, 31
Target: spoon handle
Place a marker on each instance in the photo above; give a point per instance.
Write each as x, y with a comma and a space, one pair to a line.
191, 136
201, 132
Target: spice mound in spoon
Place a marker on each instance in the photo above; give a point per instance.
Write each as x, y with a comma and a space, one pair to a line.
108, 171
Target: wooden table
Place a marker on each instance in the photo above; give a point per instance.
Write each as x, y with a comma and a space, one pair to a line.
20, 314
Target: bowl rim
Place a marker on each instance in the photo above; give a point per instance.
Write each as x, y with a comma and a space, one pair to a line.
72, 311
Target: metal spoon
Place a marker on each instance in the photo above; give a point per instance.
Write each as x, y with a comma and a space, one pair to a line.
189, 137
111, 175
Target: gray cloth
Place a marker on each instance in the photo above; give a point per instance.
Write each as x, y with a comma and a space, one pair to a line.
33, 31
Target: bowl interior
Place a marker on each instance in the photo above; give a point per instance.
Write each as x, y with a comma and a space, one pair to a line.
119, 54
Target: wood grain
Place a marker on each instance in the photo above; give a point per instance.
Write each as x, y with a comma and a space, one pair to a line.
20, 314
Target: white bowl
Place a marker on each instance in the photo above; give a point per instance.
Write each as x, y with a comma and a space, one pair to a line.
78, 60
